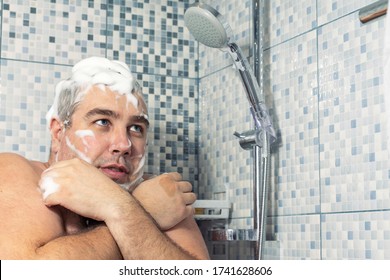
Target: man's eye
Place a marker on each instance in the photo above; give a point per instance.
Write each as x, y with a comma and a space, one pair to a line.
136, 128
102, 122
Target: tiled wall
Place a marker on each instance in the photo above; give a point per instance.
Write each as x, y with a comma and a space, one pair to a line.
225, 169
329, 196
41, 40
330, 189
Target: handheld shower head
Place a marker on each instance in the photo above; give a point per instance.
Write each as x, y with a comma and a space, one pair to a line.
207, 25
210, 28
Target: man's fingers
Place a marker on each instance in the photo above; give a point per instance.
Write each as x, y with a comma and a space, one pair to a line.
185, 186
189, 198
175, 176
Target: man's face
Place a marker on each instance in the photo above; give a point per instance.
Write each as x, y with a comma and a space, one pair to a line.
108, 131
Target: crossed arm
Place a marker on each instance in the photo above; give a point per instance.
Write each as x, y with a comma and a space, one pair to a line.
128, 230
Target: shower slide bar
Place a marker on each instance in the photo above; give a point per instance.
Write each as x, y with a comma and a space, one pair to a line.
373, 11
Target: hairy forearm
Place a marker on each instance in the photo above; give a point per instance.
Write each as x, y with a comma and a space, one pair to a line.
91, 244
138, 236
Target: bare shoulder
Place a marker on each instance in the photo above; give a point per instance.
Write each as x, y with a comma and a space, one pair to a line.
11, 157
9, 161
25, 218
17, 173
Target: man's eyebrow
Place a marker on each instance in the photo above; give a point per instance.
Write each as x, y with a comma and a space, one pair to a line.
110, 113
141, 119
102, 112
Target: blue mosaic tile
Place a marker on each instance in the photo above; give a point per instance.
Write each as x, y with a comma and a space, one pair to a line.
150, 37
326, 103
297, 157
172, 142
331, 10
287, 19
354, 139
53, 32
24, 99
356, 236
219, 172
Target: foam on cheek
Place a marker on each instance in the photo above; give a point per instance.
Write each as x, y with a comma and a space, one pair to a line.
136, 176
79, 154
48, 186
83, 134
141, 164
129, 141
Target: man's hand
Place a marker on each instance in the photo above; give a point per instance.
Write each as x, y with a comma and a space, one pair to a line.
81, 188
73, 223
167, 198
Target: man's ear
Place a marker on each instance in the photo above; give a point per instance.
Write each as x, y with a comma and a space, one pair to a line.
56, 131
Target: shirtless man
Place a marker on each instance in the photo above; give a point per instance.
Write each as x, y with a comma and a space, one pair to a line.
98, 126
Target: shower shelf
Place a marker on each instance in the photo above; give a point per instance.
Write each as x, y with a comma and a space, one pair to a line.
212, 209
232, 235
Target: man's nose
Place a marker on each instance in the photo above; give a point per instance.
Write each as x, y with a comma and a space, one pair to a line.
120, 143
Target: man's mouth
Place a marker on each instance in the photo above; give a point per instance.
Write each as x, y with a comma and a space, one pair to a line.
118, 173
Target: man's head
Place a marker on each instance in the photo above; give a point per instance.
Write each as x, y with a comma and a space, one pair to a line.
99, 115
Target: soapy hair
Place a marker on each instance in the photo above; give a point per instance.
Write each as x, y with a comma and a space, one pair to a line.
87, 73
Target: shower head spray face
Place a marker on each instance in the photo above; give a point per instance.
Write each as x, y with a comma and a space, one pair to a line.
207, 25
